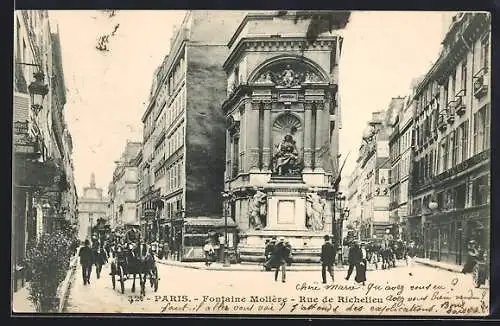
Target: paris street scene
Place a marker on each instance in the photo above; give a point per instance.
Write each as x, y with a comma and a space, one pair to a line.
321, 163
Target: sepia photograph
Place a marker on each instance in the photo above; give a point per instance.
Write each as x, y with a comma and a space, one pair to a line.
222, 162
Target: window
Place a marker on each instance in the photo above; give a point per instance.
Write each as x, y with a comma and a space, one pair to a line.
443, 165
481, 130
460, 196
464, 135
485, 52
480, 191
453, 89
445, 94
464, 75
454, 147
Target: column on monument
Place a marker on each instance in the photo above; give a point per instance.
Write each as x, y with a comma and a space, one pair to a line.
266, 150
327, 136
319, 136
308, 136
252, 137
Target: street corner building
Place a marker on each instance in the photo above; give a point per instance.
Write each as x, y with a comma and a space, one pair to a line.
44, 192
450, 178
282, 117
438, 143
181, 162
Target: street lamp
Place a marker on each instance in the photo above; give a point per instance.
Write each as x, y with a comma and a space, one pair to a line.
226, 198
46, 210
38, 90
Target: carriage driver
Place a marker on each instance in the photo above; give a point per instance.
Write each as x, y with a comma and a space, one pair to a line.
133, 235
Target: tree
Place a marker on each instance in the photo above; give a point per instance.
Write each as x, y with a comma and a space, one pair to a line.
320, 21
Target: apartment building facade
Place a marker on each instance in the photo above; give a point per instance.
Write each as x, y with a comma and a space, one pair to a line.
182, 164
44, 192
122, 189
450, 188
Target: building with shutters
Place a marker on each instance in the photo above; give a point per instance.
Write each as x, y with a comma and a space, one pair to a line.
122, 189
44, 192
181, 166
369, 184
450, 178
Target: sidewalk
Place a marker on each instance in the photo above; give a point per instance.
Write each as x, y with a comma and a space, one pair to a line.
438, 264
246, 267
20, 301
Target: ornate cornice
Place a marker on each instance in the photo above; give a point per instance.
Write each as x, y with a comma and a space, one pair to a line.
283, 44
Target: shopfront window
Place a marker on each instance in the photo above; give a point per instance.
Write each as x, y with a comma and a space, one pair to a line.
480, 191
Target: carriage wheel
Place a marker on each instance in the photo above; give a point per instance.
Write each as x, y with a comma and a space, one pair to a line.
122, 279
155, 278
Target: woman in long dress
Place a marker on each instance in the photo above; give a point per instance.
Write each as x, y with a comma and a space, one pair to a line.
361, 267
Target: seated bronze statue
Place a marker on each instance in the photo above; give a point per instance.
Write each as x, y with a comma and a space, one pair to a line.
286, 159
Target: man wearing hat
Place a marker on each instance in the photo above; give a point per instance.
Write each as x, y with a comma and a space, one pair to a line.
472, 254
86, 260
355, 257
279, 259
328, 252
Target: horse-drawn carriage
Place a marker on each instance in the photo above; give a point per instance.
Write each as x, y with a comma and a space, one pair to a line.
130, 261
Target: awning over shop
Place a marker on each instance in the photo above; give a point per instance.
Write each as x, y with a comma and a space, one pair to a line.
209, 222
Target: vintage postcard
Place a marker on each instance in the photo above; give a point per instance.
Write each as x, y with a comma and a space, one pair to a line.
308, 163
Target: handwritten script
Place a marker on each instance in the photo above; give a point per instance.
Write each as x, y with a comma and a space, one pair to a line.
313, 298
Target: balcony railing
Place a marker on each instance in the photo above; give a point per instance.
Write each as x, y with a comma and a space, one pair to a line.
481, 83
459, 106
451, 109
442, 121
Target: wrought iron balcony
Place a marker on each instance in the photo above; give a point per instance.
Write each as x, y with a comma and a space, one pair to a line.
450, 116
442, 121
459, 106
481, 83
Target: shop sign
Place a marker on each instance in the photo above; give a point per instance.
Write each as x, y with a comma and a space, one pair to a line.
476, 159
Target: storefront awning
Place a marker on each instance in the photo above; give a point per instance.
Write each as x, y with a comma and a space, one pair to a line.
210, 222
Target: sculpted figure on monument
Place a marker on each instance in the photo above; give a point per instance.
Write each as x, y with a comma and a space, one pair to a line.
286, 159
265, 78
258, 210
315, 209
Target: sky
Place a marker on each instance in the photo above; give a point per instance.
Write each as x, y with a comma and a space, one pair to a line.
107, 91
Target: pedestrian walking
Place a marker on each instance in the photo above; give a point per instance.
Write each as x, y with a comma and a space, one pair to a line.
361, 266
100, 258
472, 256
86, 260
279, 259
354, 258
328, 252
410, 256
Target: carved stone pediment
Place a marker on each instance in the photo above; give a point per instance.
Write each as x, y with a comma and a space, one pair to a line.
288, 74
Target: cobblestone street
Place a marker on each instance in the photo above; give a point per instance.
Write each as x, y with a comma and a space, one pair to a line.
100, 297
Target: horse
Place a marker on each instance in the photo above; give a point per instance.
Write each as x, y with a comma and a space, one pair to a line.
138, 261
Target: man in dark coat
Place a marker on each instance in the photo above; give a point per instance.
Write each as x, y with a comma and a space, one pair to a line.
279, 259
328, 253
268, 252
355, 257
86, 260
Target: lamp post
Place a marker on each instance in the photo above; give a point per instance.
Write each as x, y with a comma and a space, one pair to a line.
433, 206
38, 90
226, 198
